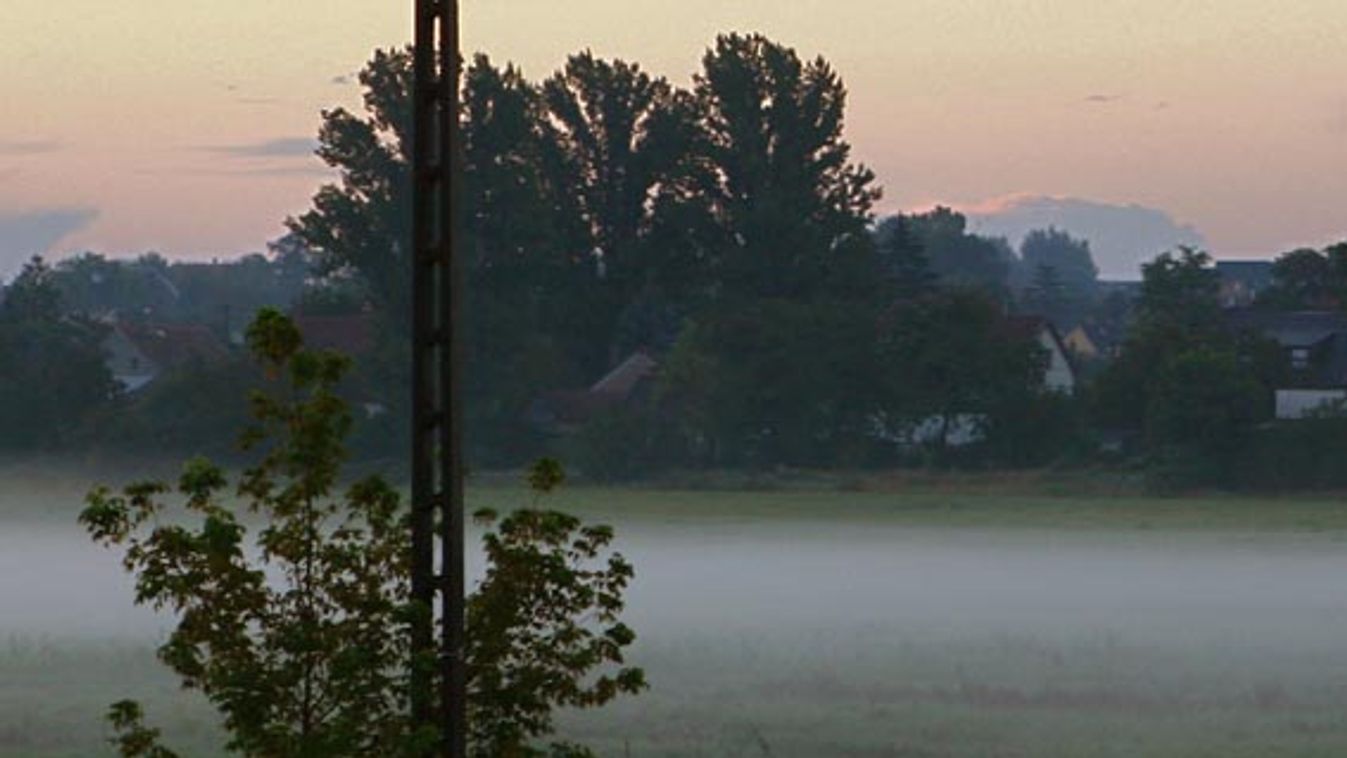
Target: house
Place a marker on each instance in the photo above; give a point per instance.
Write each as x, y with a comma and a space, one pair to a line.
1060, 375
1242, 281
351, 335
1314, 344
965, 429
138, 353
1079, 342
565, 411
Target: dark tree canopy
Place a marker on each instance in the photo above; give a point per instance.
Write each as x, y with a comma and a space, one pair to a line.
1059, 279
1068, 256
631, 154
903, 257
1309, 279
791, 201
952, 354
52, 374
362, 224
1180, 291
1184, 378
958, 257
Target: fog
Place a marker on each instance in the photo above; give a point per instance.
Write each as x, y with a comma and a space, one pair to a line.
746, 624
807, 576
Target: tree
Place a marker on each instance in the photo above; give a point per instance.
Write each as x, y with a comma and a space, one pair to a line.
1178, 310
363, 223
792, 204
33, 295
1185, 379
1062, 279
300, 639
1180, 292
52, 374
1068, 256
766, 382
1204, 398
633, 155
1308, 279
1047, 296
953, 355
904, 258
531, 323
958, 258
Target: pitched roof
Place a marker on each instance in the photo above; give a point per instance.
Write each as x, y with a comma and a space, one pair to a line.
1079, 341
350, 335
1290, 328
172, 345
1031, 327
1253, 274
570, 408
623, 380
1322, 333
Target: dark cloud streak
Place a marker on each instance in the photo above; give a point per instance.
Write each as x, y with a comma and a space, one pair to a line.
30, 147
283, 147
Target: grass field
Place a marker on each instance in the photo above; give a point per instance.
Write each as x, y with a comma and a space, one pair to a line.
820, 618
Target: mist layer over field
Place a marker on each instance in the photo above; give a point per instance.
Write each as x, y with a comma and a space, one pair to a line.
835, 624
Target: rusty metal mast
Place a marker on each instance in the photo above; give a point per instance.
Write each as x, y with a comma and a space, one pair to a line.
438, 696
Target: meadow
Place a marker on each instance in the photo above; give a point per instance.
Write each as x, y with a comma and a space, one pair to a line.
825, 617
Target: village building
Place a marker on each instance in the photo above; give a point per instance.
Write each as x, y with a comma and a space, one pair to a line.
352, 335
1314, 345
964, 429
1060, 373
565, 411
1242, 281
137, 354
1081, 344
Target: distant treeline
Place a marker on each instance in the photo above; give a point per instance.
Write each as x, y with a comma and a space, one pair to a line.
726, 234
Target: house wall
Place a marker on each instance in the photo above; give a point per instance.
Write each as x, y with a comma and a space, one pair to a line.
127, 364
963, 430
1294, 404
1081, 343
1059, 376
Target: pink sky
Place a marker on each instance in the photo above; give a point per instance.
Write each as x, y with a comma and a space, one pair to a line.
180, 126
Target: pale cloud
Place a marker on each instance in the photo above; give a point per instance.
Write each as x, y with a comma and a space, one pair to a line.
1122, 235
24, 234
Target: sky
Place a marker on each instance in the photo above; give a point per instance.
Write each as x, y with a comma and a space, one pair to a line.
186, 127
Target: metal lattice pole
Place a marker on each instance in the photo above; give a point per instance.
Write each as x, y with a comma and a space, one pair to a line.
438, 696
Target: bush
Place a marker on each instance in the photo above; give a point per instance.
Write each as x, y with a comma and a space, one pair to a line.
617, 445
299, 633
1289, 456
1037, 431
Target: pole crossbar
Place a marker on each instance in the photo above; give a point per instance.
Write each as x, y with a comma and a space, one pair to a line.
438, 686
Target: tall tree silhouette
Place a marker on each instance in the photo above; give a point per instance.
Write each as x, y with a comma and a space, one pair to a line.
793, 204
632, 151
362, 223
904, 259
